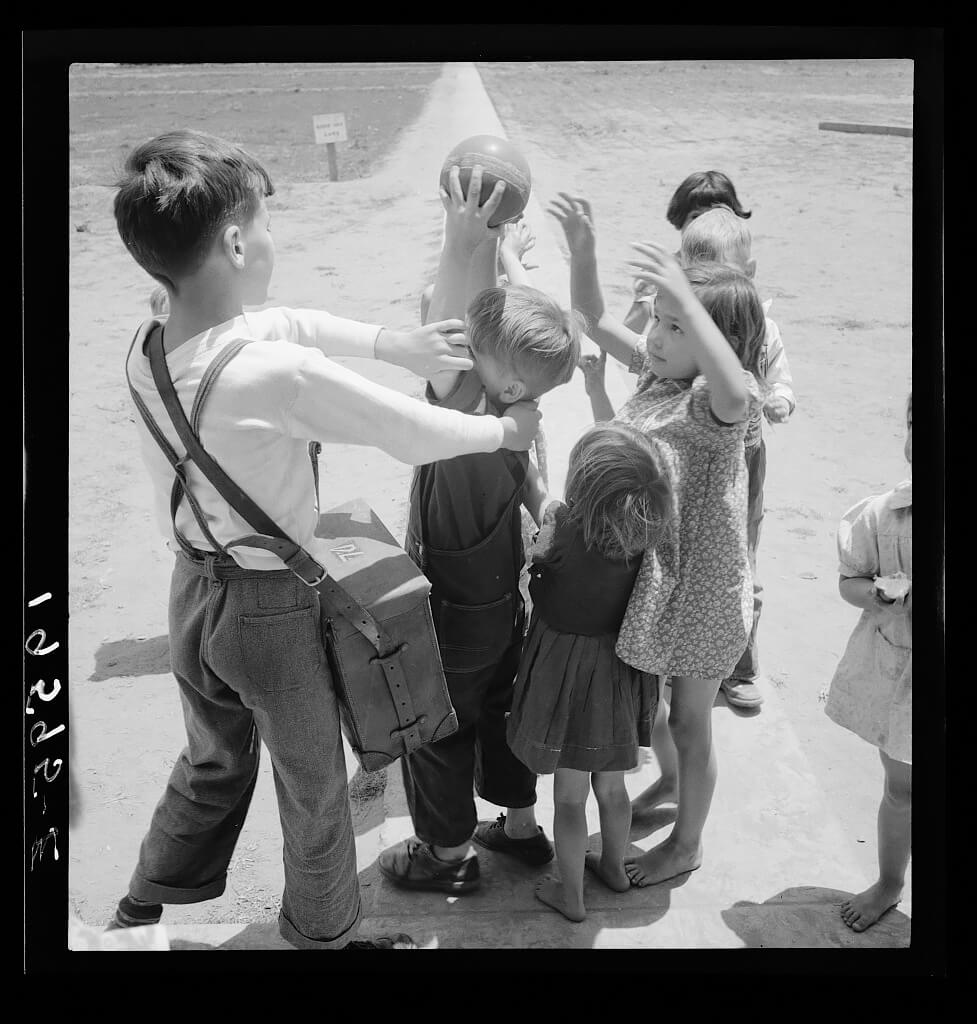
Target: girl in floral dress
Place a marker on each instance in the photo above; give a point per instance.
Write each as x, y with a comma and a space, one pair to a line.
691, 609
872, 690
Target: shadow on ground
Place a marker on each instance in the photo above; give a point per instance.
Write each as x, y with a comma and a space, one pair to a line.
806, 917
129, 657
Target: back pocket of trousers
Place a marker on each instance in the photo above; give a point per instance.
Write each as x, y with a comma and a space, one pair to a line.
474, 636
283, 651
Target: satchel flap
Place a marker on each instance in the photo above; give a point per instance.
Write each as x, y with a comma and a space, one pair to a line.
360, 553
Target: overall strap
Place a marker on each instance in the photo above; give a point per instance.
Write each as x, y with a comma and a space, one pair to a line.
181, 488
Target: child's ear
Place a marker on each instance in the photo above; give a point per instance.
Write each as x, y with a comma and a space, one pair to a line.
515, 391
232, 244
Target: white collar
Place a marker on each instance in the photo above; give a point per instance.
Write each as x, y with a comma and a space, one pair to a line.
902, 495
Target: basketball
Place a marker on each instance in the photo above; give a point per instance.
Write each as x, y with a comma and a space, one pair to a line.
500, 161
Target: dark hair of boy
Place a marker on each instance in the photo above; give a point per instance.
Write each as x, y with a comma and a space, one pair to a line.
175, 195
701, 191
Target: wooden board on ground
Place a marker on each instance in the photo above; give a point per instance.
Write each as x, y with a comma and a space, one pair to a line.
865, 129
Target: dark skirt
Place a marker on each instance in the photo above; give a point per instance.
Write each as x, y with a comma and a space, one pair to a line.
577, 705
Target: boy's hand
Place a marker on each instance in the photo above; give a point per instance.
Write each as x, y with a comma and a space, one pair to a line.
518, 238
660, 269
520, 424
577, 221
777, 409
592, 368
427, 350
466, 223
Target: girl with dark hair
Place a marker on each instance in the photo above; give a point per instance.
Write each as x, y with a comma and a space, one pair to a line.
701, 191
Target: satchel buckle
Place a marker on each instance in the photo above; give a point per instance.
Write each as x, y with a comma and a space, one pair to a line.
314, 583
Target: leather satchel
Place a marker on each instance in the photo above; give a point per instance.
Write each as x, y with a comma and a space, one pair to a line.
381, 644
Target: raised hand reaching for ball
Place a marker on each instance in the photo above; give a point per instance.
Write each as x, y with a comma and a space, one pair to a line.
466, 223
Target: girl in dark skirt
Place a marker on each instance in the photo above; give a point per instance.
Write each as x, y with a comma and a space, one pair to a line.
579, 711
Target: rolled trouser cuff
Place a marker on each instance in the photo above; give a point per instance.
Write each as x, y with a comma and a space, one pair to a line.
153, 892
291, 934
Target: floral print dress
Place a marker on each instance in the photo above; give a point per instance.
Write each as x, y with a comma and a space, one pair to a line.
691, 609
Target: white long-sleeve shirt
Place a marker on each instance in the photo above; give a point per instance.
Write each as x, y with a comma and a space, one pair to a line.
277, 394
777, 376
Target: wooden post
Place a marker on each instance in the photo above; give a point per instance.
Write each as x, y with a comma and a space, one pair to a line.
865, 129
330, 129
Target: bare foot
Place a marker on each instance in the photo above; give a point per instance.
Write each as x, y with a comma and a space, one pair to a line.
661, 791
550, 891
612, 875
661, 863
863, 910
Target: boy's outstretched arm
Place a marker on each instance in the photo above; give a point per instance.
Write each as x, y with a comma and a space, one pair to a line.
464, 256
534, 494
574, 215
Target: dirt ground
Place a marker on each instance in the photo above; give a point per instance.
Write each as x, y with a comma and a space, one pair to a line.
831, 225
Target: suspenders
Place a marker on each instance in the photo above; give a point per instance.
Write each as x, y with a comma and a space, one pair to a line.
270, 536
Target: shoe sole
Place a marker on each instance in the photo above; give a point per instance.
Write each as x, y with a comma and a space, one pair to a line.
429, 885
742, 703
531, 861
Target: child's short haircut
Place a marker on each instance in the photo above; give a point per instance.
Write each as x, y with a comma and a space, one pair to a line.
616, 491
526, 330
177, 192
701, 191
717, 236
731, 299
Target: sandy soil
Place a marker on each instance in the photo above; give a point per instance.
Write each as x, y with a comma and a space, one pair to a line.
831, 223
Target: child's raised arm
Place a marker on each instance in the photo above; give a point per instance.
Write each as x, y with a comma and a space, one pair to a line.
464, 257
714, 356
517, 240
576, 219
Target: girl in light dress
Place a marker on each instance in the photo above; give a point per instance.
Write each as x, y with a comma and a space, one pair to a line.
871, 692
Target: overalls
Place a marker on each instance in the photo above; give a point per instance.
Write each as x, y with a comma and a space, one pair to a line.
478, 615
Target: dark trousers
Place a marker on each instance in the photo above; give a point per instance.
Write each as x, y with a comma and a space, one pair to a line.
748, 667
246, 648
439, 778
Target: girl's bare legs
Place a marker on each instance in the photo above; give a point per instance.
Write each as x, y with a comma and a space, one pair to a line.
570, 791
615, 824
664, 790
895, 844
690, 722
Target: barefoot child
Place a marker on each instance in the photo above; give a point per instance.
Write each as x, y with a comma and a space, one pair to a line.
720, 235
692, 607
464, 532
246, 634
872, 690
578, 710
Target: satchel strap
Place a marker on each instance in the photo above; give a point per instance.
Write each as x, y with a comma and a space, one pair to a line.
272, 538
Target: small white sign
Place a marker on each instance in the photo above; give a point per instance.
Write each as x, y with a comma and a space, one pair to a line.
329, 128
